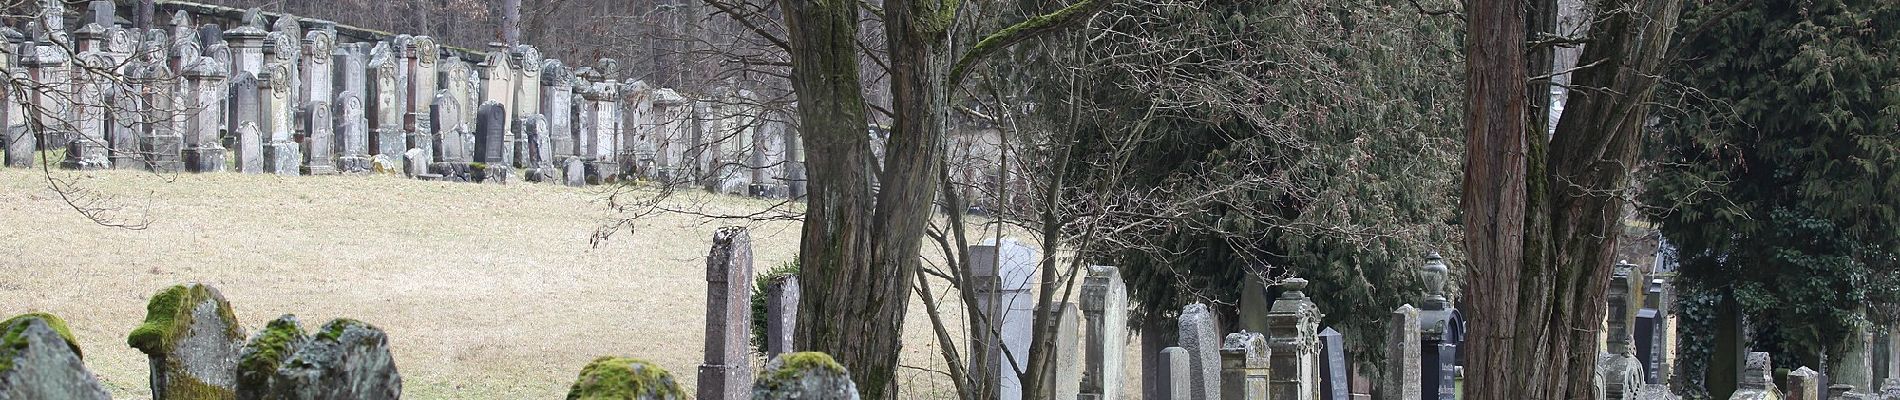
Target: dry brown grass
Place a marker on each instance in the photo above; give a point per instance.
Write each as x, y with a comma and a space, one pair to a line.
487, 292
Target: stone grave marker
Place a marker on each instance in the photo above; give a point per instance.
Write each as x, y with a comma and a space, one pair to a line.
808, 375
728, 309
1244, 366
1200, 336
192, 339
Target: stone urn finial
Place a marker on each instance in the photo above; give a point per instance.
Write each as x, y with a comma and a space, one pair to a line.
1434, 274
1295, 288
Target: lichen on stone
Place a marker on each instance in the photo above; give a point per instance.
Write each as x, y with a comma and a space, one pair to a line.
796, 364
52, 321
168, 315
613, 378
277, 341
194, 372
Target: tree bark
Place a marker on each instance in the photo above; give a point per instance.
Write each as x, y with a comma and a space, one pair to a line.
1494, 195
511, 22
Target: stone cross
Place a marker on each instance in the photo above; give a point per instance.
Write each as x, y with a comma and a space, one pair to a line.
1293, 331
1002, 271
1105, 303
1804, 384
781, 314
204, 151
1401, 380
727, 371
1201, 337
1244, 366
1177, 381
192, 338
247, 113
1333, 379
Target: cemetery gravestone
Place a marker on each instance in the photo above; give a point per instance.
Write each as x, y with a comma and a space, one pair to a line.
192, 338
728, 309
42, 362
1402, 357
1201, 338
781, 308
1293, 333
1001, 271
809, 375
1244, 366
1105, 303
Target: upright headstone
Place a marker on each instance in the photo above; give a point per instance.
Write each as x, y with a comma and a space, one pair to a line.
1254, 304
346, 359
102, 12
191, 338
46, 63
1064, 379
557, 101
281, 155
246, 122
809, 375
1200, 335
352, 75
1105, 303
1441, 329
87, 150
42, 362
316, 100
22, 147
1293, 331
1804, 384
1244, 366
446, 117
781, 314
423, 56
1622, 372
727, 370
247, 46
1854, 367
1402, 380
491, 139
1177, 376
539, 155
1756, 383
1002, 271
385, 104
203, 148
352, 130
1333, 381
319, 137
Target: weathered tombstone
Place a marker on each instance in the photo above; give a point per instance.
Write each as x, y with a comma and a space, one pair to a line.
1064, 379
319, 139
539, 149
22, 147
446, 116
1333, 383
1854, 367
87, 150
383, 105
352, 131
192, 340
557, 101
352, 60
1254, 304
1201, 337
1402, 381
1622, 372
47, 64
1293, 332
101, 12
415, 163
1001, 271
345, 359
1177, 380
491, 126
1105, 304
203, 150
264, 353
250, 156
620, 378
421, 55
728, 310
808, 375
1804, 384
318, 49
1756, 384
281, 154
40, 360
1244, 366
575, 172
247, 46
781, 314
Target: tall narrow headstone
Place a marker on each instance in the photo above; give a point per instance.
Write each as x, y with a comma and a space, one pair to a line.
446, 117
204, 150
491, 127
384, 105
727, 371
1402, 380
87, 150
247, 123
1105, 303
1064, 379
540, 152
1200, 335
319, 137
281, 154
1622, 372
1293, 332
1002, 271
422, 57
352, 133
1441, 329
557, 101
1244, 366
1177, 380
1854, 366
781, 314
1333, 384
22, 147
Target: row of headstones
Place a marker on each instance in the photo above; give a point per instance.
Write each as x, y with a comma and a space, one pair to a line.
198, 351
1281, 363
289, 101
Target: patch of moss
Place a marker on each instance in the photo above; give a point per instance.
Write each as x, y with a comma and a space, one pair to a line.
334, 329
615, 378
168, 315
52, 321
792, 365
477, 166
277, 341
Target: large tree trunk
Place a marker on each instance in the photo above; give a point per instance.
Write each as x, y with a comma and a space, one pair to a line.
1535, 315
511, 22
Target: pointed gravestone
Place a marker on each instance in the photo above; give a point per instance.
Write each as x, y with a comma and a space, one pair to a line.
727, 370
1332, 366
344, 359
808, 375
621, 378
1201, 338
40, 360
192, 339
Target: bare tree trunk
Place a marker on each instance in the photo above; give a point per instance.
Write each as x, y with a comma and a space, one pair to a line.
511, 22
1494, 196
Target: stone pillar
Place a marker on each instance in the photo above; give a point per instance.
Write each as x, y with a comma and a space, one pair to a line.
1002, 271
1105, 303
46, 65
1441, 329
421, 91
781, 314
1200, 335
246, 122
317, 101
727, 372
192, 340
1177, 380
281, 154
1293, 331
204, 150
87, 150
557, 101
1622, 373
1402, 380
1333, 380
1804, 384
1244, 366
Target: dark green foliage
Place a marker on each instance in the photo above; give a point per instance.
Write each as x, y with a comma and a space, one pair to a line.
1775, 175
1318, 139
760, 288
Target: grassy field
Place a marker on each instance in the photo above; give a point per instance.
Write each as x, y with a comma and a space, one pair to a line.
487, 292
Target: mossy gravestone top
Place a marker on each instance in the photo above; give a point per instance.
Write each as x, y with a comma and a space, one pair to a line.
620, 378
40, 360
344, 359
192, 339
807, 375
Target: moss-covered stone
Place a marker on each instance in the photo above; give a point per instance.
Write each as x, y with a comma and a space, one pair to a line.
343, 359
192, 338
622, 378
37, 363
805, 375
52, 321
259, 359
